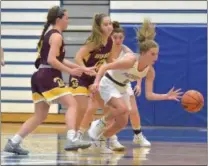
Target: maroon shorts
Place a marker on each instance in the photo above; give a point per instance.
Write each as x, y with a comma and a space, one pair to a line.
48, 85
80, 85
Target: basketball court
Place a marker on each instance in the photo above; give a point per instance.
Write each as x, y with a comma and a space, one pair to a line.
170, 146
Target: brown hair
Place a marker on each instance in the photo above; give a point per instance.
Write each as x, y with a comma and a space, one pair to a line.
96, 35
146, 35
117, 28
53, 13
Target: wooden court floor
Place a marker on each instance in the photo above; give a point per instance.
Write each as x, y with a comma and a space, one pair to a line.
170, 146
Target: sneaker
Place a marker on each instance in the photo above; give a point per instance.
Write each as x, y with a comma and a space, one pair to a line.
96, 129
141, 140
115, 145
100, 146
103, 147
15, 148
75, 144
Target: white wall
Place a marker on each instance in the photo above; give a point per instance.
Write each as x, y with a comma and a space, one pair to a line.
159, 11
16, 95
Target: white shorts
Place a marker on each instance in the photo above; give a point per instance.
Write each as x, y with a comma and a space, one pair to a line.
109, 89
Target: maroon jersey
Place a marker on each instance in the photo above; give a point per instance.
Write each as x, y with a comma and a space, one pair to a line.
95, 58
45, 48
99, 56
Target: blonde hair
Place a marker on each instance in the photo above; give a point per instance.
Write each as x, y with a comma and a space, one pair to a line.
146, 35
96, 35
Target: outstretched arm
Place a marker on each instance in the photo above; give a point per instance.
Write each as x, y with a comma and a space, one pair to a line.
150, 95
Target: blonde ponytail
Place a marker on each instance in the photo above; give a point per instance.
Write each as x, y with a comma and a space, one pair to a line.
146, 35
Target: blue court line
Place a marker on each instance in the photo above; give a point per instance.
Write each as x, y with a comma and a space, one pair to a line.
16, 101
19, 37
25, 10
16, 88
157, 11
16, 75
19, 63
20, 50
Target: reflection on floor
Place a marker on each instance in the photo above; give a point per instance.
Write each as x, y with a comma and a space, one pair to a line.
170, 146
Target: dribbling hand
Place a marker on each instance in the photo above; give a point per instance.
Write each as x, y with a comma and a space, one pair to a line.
174, 94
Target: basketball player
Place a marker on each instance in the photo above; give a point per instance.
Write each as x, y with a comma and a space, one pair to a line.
95, 52
2, 57
119, 51
112, 82
47, 84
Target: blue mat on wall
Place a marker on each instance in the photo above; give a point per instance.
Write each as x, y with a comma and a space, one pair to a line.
182, 63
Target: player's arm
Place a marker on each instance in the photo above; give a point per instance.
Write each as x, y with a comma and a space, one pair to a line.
70, 64
150, 95
124, 63
83, 52
2, 56
55, 44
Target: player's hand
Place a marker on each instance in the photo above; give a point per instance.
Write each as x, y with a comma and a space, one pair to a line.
90, 71
2, 62
94, 88
76, 72
137, 90
174, 94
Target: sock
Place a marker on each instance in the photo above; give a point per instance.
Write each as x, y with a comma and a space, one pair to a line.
16, 139
102, 138
71, 134
82, 130
103, 120
137, 131
113, 138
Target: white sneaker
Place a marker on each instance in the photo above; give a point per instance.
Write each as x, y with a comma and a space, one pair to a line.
103, 148
141, 140
96, 129
115, 144
100, 146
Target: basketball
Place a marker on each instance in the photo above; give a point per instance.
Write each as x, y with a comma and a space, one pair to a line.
192, 101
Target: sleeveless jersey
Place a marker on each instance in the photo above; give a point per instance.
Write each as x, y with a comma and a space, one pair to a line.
45, 48
98, 57
127, 75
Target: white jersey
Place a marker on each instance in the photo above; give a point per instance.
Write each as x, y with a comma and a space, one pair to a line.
127, 75
108, 88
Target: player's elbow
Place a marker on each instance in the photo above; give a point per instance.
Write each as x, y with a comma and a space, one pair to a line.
51, 61
149, 96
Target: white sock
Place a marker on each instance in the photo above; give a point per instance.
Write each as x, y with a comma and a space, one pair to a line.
71, 134
103, 120
113, 138
16, 139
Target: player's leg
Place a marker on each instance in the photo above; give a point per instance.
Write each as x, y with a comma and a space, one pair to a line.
41, 112
79, 89
100, 132
136, 124
13, 145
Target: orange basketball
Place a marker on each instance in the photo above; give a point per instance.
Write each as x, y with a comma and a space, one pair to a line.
192, 101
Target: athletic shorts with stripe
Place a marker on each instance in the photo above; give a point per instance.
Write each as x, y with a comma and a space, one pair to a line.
48, 85
80, 85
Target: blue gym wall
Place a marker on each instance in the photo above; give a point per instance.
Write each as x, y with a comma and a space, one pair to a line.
182, 63
181, 31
